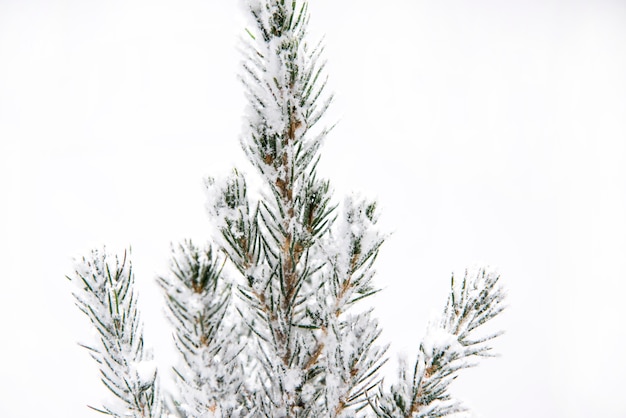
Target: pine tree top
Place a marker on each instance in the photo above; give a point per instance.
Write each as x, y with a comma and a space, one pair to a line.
263, 314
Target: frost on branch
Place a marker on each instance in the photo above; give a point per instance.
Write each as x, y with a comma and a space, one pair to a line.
104, 292
285, 94
449, 346
235, 226
197, 296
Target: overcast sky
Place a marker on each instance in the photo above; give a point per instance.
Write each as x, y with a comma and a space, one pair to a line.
492, 132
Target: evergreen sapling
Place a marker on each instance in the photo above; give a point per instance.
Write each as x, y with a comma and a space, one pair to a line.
263, 316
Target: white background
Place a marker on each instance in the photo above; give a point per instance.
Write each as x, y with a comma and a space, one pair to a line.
490, 131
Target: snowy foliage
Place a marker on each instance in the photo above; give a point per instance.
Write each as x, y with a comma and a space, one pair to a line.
281, 339
105, 294
197, 297
447, 347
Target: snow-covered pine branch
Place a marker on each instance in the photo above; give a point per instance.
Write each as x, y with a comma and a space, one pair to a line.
351, 356
448, 347
104, 292
197, 297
